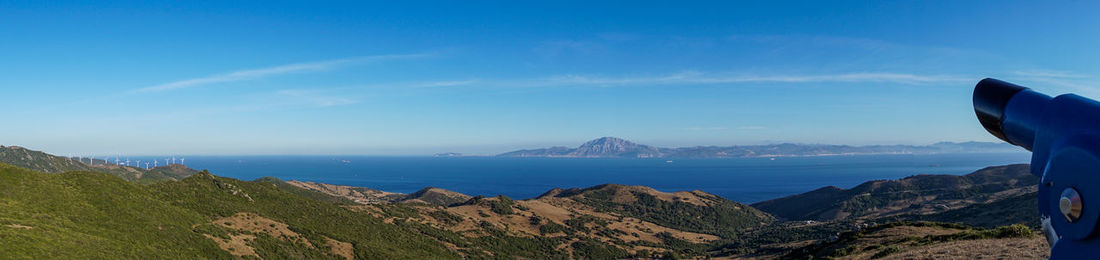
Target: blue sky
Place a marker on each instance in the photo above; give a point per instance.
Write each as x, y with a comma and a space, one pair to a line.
318, 77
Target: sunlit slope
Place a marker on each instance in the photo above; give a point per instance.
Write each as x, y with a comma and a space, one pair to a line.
315, 220
85, 214
96, 215
693, 211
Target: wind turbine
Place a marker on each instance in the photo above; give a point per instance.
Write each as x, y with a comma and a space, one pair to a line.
173, 160
155, 163
181, 160
165, 161
146, 165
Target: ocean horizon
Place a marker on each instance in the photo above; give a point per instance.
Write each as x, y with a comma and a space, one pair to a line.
745, 180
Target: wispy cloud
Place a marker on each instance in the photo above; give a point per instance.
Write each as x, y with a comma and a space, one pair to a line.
1082, 84
252, 74
1049, 74
723, 128
450, 83
706, 128
702, 78
314, 98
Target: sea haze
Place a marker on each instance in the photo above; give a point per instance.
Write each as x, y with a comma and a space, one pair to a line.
745, 180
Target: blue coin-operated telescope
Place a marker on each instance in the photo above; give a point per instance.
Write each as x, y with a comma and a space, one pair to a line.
1063, 134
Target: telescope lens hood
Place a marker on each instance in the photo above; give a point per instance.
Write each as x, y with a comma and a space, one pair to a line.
990, 98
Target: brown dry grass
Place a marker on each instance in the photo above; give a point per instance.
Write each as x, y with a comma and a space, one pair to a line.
1008, 248
340, 248
248, 224
236, 244
556, 210
19, 226
362, 196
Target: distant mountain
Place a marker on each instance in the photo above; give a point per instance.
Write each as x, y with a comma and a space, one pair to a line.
611, 147
915, 195
44, 162
448, 155
614, 147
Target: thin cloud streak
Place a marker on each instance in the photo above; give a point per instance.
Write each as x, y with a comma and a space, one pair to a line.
444, 84
700, 78
1049, 74
1082, 84
315, 98
272, 71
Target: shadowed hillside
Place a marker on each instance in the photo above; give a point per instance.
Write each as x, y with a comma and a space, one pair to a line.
920, 194
913, 240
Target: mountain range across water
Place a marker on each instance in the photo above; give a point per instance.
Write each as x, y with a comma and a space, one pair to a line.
613, 147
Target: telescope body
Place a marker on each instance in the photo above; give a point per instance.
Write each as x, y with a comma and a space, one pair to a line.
1063, 134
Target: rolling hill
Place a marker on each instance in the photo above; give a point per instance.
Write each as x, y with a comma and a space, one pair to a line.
98, 215
43, 162
96, 212
920, 194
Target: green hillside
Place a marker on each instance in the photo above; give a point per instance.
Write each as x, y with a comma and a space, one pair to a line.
695, 211
214, 196
92, 215
44, 162
96, 215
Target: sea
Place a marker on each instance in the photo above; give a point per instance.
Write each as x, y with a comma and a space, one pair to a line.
745, 180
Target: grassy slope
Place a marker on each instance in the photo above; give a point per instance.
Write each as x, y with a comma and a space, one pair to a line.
92, 215
723, 218
95, 215
887, 239
214, 196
